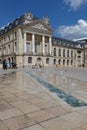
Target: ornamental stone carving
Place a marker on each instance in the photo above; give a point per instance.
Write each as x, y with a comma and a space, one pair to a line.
39, 26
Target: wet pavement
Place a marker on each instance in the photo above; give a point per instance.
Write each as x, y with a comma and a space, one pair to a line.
25, 104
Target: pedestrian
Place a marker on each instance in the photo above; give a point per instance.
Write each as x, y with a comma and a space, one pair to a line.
4, 64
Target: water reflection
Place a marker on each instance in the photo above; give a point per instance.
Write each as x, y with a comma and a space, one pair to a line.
58, 83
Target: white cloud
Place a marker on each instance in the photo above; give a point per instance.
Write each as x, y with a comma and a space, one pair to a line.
72, 32
75, 4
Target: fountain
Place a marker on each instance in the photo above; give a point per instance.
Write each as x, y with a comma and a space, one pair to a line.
67, 97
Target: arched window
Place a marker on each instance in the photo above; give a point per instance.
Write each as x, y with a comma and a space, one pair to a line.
59, 61
63, 52
72, 54
71, 62
54, 61
63, 62
67, 62
54, 51
67, 53
59, 52
47, 60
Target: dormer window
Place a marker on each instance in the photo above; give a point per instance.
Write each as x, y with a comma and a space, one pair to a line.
17, 21
10, 26
2, 31
6, 29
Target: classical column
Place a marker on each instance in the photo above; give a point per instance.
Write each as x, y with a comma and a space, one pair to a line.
43, 45
50, 44
25, 42
33, 43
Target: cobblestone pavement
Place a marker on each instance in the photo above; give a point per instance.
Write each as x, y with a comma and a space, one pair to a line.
25, 104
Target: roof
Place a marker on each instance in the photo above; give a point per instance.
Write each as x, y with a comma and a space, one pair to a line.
65, 42
18, 21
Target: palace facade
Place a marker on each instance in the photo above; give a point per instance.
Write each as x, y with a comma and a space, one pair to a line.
29, 40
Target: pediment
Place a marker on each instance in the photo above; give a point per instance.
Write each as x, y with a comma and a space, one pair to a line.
40, 25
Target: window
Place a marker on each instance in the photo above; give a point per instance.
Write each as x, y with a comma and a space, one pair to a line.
10, 25
9, 38
8, 49
64, 52
36, 47
59, 52
79, 56
45, 49
71, 53
54, 51
17, 21
71, 62
4, 50
67, 62
59, 61
4, 39
29, 59
67, 53
15, 47
15, 34
63, 62
78, 51
47, 60
54, 61
46, 39
28, 46
0, 51
0, 61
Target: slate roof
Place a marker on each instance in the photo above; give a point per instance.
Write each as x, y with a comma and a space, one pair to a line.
17, 21
64, 42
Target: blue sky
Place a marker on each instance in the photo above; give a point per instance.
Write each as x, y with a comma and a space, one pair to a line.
68, 18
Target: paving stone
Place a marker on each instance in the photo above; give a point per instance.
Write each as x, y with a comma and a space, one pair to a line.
25, 107
84, 126
34, 100
40, 116
75, 117
57, 124
35, 127
18, 122
77, 129
82, 110
46, 104
4, 107
2, 126
12, 99
9, 113
57, 110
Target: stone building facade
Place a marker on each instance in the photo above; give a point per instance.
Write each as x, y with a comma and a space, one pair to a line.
28, 41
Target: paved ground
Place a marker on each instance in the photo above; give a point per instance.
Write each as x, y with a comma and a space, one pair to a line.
25, 104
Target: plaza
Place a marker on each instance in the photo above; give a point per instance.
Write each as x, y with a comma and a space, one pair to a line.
26, 104
48, 90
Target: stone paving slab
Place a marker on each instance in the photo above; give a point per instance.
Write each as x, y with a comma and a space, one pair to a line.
26, 105
57, 124
75, 117
2, 126
35, 127
18, 122
40, 116
9, 113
